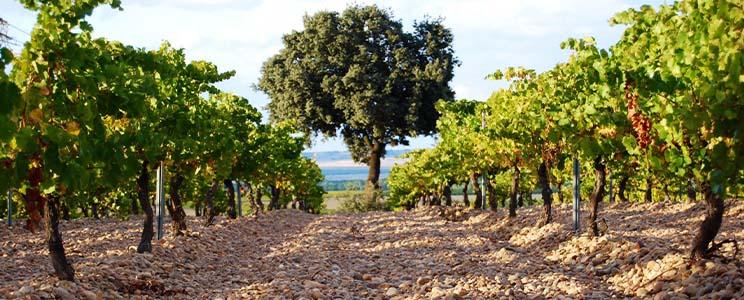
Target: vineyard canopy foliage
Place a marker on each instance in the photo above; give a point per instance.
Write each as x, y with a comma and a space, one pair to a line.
88, 125
85, 121
662, 106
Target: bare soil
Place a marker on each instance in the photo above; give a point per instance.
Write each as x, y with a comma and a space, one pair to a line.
430, 253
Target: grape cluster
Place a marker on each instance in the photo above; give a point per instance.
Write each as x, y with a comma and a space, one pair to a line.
640, 123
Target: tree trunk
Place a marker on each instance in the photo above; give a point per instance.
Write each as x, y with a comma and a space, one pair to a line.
448, 194
514, 192
209, 211
492, 202
231, 209
621, 188
274, 203
35, 202
143, 194
560, 190
649, 195
373, 175
545, 192
62, 267
175, 207
691, 192
465, 194
476, 190
701, 244
597, 194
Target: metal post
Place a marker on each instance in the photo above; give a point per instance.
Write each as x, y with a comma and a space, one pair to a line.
236, 185
10, 207
485, 190
159, 197
576, 203
485, 173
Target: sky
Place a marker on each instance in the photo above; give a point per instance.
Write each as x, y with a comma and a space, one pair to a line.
241, 34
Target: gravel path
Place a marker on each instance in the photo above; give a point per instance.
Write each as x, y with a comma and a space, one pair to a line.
425, 254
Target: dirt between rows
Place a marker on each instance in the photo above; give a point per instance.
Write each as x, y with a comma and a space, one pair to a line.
429, 253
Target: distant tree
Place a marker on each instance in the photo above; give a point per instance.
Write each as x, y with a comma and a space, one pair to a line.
360, 75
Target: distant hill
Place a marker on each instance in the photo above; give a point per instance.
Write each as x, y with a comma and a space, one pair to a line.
338, 165
326, 156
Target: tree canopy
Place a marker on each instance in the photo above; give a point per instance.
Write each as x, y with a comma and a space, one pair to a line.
361, 75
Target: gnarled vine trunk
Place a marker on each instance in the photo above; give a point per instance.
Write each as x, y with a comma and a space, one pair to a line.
514, 192
65, 211
691, 192
134, 208
175, 207
62, 267
465, 194
231, 209
597, 194
667, 197
520, 200
274, 203
492, 202
251, 198
560, 190
143, 194
34, 201
476, 190
94, 210
447, 194
708, 229
198, 208
409, 205
542, 173
649, 194
621, 188
259, 201
209, 211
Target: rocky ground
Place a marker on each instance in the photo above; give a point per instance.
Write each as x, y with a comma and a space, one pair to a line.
424, 254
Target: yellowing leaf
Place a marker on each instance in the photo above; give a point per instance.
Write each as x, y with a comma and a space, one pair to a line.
36, 115
73, 128
45, 91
